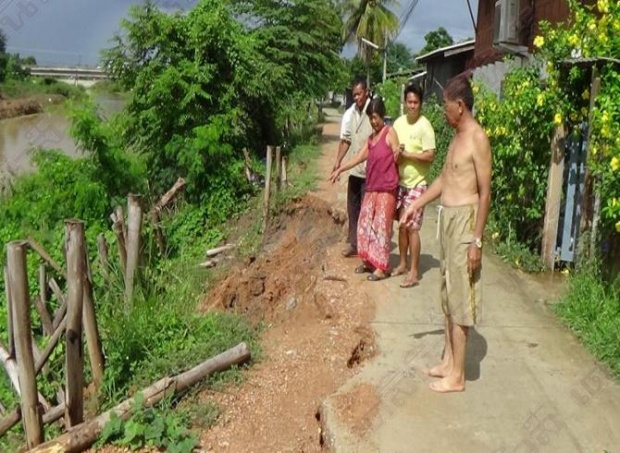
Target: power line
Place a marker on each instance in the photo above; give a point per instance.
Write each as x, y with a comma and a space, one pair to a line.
405, 17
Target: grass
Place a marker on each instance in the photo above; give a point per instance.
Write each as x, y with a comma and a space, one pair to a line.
591, 309
32, 86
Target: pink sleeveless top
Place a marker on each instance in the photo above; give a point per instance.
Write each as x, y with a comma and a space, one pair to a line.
381, 169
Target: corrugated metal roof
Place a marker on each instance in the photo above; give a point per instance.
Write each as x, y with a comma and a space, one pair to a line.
447, 51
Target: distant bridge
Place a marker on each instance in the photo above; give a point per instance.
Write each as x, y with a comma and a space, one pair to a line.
67, 73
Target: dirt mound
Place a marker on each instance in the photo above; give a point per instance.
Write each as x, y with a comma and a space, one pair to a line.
318, 333
284, 278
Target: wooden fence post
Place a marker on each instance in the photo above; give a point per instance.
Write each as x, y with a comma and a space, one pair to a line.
74, 360
284, 173
20, 298
554, 198
91, 330
267, 190
119, 230
41, 303
102, 247
278, 168
9, 314
134, 223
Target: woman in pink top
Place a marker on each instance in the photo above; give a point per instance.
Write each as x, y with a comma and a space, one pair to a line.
374, 231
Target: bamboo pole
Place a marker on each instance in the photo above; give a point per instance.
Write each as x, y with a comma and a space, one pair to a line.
34, 245
10, 366
267, 190
119, 230
278, 168
41, 302
284, 173
133, 244
84, 435
102, 247
74, 359
20, 296
13, 417
51, 344
62, 300
9, 314
93, 342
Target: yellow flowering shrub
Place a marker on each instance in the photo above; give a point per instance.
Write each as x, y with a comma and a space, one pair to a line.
519, 125
591, 32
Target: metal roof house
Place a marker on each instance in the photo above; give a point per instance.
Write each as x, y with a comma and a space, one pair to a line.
444, 63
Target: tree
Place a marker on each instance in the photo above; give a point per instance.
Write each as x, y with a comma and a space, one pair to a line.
399, 57
436, 39
222, 77
4, 58
372, 20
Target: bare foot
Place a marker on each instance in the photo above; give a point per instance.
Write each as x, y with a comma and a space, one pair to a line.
446, 386
400, 270
410, 281
439, 371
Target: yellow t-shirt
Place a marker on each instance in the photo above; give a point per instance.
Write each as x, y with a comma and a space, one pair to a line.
417, 137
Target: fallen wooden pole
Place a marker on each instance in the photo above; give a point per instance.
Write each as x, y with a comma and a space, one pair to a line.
82, 436
168, 196
218, 250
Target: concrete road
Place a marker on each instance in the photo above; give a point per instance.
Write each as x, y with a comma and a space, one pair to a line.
531, 387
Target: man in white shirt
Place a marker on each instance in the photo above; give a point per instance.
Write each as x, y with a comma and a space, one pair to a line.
354, 132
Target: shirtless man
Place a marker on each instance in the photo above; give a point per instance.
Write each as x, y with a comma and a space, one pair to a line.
465, 190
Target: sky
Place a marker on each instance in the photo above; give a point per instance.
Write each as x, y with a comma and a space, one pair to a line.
72, 32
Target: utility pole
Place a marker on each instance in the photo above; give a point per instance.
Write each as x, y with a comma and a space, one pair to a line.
384, 57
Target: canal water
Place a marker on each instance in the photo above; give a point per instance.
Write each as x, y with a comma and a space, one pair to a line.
19, 136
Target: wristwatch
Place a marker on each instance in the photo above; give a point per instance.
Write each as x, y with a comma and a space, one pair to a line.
477, 242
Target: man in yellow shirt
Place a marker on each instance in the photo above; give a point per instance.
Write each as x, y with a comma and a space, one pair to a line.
417, 138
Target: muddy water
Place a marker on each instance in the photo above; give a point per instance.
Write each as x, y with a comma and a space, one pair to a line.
19, 136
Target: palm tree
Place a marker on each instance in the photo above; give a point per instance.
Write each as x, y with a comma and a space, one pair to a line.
369, 19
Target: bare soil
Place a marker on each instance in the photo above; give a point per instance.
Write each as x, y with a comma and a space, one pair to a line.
317, 331
11, 108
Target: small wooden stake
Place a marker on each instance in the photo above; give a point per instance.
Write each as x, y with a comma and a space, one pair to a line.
102, 247
74, 360
41, 303
267, 190
9, 314
278, 168
20, 296
133, 244
91, 330
119, 230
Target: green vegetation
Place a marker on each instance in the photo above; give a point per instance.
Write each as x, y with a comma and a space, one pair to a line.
201, 88
591, 308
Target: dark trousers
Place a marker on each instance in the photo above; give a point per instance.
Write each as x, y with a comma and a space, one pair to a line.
355, 194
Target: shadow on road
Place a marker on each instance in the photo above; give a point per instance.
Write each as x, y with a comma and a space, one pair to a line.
476, 351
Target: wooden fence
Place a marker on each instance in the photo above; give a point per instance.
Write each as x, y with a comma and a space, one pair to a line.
74, 318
